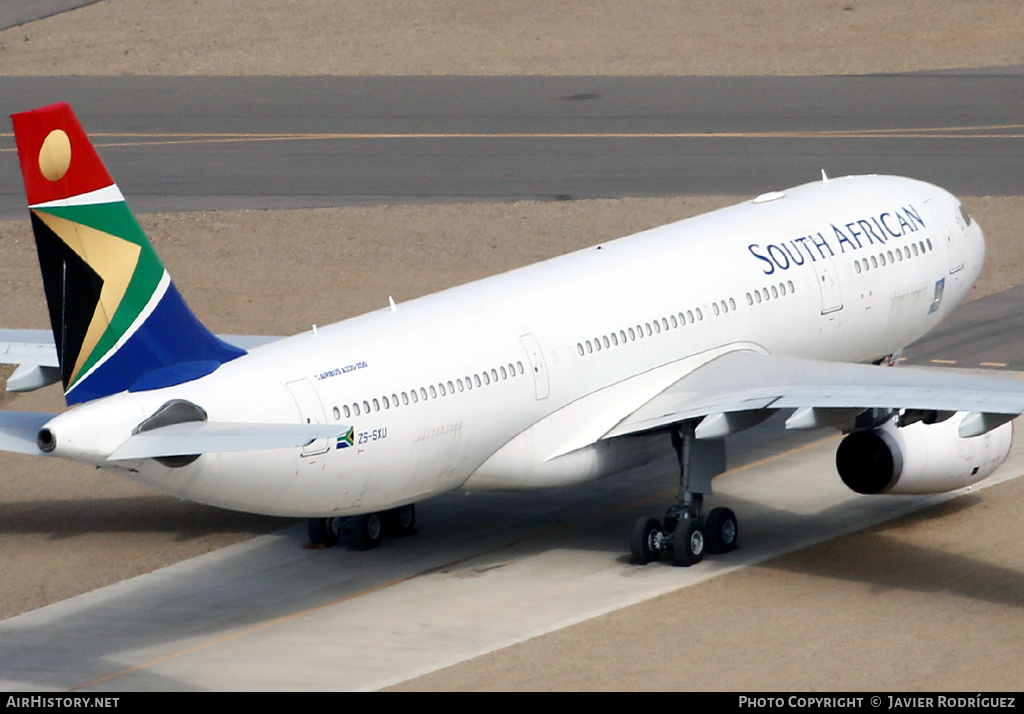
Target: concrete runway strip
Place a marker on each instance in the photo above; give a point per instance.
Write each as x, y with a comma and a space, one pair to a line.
483, 573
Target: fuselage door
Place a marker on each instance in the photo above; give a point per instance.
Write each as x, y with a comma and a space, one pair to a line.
311, 411
828, 284
537, 364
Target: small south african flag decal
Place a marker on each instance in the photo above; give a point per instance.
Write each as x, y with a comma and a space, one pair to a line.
347, 439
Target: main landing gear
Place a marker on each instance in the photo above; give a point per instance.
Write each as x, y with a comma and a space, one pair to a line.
686, 532
364, 532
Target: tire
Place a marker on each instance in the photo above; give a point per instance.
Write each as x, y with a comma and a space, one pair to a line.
722, 531
643, 542
322, 531
400, 522
688, 543
367, 531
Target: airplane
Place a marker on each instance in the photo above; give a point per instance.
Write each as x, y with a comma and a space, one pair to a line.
572, 369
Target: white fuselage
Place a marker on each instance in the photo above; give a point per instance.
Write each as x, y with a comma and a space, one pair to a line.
510, 381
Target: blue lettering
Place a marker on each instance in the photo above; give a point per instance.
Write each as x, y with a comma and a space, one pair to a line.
822, 242
888, 228
794, 257
802, 242
912, 212
854, 233
843, 239
870, 231
905, 226
771, 265
780, 252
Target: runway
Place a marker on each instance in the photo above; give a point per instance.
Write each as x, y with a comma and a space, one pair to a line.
485, 571
187, 143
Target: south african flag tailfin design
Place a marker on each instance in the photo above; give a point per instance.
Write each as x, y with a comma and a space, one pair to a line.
118, 321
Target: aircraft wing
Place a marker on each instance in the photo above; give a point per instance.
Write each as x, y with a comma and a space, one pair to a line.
750, 382
36, 356
200, 437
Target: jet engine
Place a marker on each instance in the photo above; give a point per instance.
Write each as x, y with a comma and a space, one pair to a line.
920, 457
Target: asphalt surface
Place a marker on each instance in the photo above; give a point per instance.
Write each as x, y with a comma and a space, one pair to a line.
14, 13
187, 143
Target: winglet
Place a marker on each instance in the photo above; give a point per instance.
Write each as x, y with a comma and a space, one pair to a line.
118, 321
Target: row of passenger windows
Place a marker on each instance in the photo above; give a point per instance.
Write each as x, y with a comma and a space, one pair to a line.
888, 257
680, 319
771, 292
649, 329
434, 391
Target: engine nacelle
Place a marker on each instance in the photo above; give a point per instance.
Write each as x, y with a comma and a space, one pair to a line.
920, 457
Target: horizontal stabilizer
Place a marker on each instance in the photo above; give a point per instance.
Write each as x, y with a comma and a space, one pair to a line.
18, 431
36, 354
200, 437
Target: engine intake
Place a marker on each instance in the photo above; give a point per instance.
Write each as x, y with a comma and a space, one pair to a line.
920, 457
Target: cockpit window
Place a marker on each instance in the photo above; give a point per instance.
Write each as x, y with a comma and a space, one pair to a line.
965, 214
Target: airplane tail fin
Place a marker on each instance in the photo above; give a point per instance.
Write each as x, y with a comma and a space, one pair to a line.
118, 321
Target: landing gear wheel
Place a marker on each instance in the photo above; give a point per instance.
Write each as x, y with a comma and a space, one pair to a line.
323, 532
722, 530
367, 531
400, 522
688, 543
645, 542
